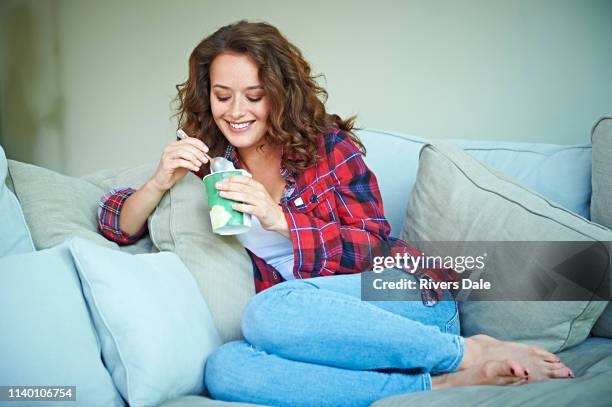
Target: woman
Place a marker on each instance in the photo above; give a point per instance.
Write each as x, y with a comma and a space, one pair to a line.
318, 222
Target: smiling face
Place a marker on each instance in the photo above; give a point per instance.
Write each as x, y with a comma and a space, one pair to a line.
238, 102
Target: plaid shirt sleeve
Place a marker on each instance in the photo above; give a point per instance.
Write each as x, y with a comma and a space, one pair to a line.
429, 296
346, 227
109, 210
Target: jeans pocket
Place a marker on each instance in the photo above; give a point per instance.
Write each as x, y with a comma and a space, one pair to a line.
452, 325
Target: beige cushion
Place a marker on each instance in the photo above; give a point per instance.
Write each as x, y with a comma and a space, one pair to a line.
58, 207
221, 266
133, 177
456, 198
601, 200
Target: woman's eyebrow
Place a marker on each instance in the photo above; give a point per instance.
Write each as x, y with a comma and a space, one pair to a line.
247, 88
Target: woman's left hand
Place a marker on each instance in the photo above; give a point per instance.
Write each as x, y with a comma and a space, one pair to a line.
252, 197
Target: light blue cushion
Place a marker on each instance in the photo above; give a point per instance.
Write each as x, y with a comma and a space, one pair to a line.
560, 173
394, 159
15, 237
154, 326
47, 336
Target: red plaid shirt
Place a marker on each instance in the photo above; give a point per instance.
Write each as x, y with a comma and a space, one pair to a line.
334, 211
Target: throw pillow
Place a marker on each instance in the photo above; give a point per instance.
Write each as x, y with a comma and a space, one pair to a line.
456, 198
47, 335
556, 171
154, 327
15, 238
601, 201
123, 177
58, 207
220, 265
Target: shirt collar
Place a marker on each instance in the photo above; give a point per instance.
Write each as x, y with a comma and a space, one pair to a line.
232, 154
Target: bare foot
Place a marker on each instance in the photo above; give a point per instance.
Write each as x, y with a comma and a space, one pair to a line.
493, 372
539, 364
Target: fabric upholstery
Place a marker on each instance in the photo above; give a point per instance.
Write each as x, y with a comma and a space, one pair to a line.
220, 265
58, 207
456, 198
590, 361
601, 201
154, 327
16, 237
555, 171
47, 336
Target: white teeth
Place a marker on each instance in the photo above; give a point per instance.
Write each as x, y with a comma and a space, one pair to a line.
240, 125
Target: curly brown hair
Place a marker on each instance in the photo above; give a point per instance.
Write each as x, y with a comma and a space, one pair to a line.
297, 112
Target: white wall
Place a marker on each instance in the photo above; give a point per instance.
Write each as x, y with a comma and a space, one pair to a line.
88, 85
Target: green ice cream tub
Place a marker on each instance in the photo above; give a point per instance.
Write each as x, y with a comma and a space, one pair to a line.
223, 218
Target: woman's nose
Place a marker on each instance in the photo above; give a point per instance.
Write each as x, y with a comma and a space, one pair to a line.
237, 109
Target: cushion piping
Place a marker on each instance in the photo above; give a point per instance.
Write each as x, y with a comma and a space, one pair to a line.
577, 146
550, 203
16, 198
604, 118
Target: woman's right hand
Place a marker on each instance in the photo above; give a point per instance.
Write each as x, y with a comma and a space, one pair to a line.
177, 160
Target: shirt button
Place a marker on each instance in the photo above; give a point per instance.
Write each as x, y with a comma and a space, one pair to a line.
313, 198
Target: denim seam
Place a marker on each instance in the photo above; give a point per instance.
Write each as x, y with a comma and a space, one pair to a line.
460, 351
426, 381
456, 361
453, 320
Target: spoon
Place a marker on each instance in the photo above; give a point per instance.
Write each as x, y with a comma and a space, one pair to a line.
216, 164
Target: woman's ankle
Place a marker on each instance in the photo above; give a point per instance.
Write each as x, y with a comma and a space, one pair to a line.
440, 382
472, 352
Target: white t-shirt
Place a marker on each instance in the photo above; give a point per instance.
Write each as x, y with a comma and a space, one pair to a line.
274, 248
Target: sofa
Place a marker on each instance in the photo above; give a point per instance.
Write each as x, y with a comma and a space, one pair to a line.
134, 324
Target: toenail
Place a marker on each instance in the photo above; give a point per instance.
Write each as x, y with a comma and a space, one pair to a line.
526, 373
512, 371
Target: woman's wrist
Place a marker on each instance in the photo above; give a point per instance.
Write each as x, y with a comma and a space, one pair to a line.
153, 189
138, 207
282, 226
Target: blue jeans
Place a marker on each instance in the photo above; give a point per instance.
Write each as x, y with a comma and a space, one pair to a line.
315, 342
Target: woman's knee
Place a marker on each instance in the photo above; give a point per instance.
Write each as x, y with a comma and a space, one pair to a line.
269, 310
227, 368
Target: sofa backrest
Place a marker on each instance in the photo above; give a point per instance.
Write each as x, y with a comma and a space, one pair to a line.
559, 172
